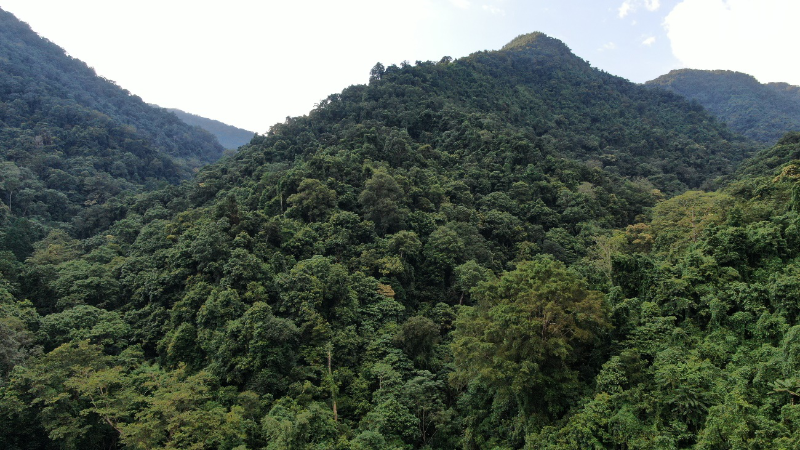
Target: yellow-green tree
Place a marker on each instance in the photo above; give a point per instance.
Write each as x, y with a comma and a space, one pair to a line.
520, 341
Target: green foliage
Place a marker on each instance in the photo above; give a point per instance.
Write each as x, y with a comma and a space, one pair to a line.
524, 338
84, 322
18, 321
687, 215
492, 252
289, 426
380, 202
313, 200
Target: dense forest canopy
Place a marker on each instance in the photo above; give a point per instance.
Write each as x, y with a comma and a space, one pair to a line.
508, 250
762, 112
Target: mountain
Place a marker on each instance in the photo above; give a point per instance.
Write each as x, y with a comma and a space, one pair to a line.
229, 136
762, 112
70, 140
538, 88
507, 250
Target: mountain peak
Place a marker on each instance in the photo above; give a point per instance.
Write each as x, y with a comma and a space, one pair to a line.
543, 50
538, 42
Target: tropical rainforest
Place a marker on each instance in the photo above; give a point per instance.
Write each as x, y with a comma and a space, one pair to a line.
507, 250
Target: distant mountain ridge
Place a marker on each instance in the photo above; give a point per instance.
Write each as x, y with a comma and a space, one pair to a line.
46, 66
787, 89
762, 112
71, 140
229, 136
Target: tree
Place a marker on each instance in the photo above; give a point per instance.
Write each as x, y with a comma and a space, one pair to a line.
680, 220
312, 201
423, 395
44, 386
469, 275
181, 411
376, 72
258, 348
10, 180
380, 199
294, 427
520, 339
16, 338
85, 322
417, 337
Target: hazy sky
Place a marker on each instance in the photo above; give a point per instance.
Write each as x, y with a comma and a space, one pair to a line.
252, 63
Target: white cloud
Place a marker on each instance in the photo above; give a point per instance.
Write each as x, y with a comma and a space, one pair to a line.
625, 8
652, 5
630, 6
758, 38
607, 46
463, 4
649, 41
494, 10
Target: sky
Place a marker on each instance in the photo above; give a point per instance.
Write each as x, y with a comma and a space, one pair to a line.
252, 63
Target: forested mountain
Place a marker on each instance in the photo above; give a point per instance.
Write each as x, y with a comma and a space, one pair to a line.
493, 252
70, 140
762, 112
786, 89
229, 136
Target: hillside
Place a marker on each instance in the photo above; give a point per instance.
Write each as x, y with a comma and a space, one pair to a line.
762, 112
229, 136
550, 97
70, 140
498, 251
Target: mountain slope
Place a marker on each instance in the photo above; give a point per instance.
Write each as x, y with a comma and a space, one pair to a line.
70, 140
426, 261
762, 112
229, 136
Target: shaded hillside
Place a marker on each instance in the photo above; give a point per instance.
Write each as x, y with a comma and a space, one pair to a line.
70, 140
762, 112
475, 253
767, 161
229, 136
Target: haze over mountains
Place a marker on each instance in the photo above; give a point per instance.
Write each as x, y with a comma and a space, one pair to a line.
507, 250
33, 65
762, 112
71, 140
229, 136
